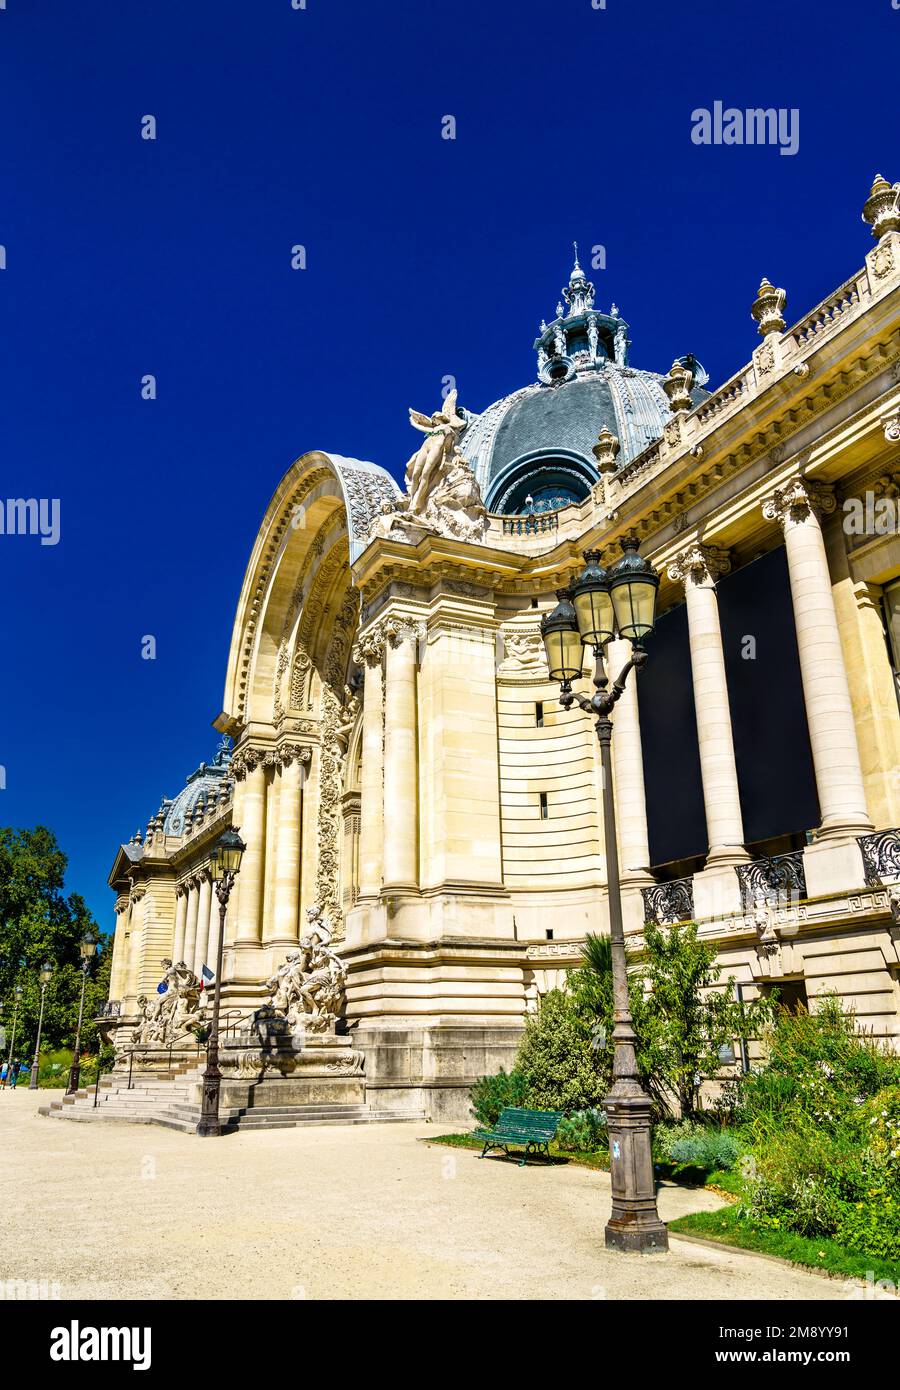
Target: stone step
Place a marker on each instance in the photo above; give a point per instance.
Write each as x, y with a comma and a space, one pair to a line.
185, 1117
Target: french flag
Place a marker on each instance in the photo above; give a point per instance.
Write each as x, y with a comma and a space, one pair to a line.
206, 977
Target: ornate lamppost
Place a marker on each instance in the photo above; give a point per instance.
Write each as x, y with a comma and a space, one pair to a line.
599, 604
44, 976
225, 864
17, 996
87, 947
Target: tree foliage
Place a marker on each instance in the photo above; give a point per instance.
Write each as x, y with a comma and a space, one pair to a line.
38, 922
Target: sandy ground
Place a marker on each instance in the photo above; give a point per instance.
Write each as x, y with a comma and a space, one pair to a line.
135, 1211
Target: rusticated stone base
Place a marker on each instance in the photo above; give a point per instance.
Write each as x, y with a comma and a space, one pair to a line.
431, 1066
267, 1065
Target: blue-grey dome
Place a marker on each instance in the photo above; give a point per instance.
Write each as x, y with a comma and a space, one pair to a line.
202, 786
531, 451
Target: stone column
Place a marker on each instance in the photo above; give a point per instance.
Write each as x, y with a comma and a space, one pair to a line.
628, 771
190, 929
698, 567
401, 811
248, 767
215, 924
135, 928
200, 950
285, 918
118, 975
369, 653
829, 713
181, 902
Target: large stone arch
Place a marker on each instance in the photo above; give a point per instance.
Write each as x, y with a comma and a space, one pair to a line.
323, 502
289, 679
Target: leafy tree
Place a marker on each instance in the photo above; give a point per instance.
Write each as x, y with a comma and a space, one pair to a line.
39, 922
682, 1017
558, 1057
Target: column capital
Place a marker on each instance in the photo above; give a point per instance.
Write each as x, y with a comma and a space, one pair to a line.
700, 565
245, 761
294, 752
799, 499
368, 650
400, 628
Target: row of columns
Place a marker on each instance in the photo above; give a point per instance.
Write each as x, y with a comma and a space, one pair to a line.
196, 923
269, 811
839, 780
388, 840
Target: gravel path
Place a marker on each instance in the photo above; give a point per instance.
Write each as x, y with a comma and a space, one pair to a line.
135, 1211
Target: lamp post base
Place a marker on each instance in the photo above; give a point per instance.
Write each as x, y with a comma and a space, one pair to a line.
209, 1126
33, 1083
634, 1224
75, 1077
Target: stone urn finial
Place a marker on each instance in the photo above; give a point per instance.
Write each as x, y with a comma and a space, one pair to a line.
882, 208
605, 451
677, 386
767, 309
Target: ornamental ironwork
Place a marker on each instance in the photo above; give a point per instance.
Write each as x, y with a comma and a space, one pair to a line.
670, 902
881, 856
775, 878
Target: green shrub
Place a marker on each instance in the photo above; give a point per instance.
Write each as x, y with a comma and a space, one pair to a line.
709, 1149
491, 1094
559, 1061
872, 1225
816, 1064
583, 1130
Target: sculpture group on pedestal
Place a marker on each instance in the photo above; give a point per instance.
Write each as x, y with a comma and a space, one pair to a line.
442, 493
308, 989
172, 1013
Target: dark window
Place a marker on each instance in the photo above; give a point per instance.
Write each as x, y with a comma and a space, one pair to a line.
549, 933
539, 715
768, 715
791, 995
544, 812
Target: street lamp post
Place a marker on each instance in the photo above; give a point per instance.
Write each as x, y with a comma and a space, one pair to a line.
599, 604
17, 996
225, 864
87, 947
44, 977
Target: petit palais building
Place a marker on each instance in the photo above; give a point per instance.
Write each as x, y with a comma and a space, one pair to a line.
423, 821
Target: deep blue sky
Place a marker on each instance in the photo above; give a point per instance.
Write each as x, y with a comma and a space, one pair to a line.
425, 256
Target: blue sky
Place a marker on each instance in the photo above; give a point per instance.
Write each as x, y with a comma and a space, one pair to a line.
322, 127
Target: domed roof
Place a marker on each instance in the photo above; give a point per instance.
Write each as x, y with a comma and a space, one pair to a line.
531, 450
202, 786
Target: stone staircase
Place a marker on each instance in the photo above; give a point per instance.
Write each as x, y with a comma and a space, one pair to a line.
165, 1099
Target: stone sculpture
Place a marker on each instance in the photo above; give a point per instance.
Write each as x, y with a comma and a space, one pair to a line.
523, 654
308, 989
442, 493
170, 1015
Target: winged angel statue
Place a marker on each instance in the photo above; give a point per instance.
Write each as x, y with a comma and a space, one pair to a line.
442, 493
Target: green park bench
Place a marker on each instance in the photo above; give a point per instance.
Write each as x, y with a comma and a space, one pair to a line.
532, 1130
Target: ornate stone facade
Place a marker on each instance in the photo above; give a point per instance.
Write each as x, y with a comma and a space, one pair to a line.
400, 760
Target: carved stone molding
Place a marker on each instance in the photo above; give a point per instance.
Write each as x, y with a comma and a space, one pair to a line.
700, 565
799, 500
891, 427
